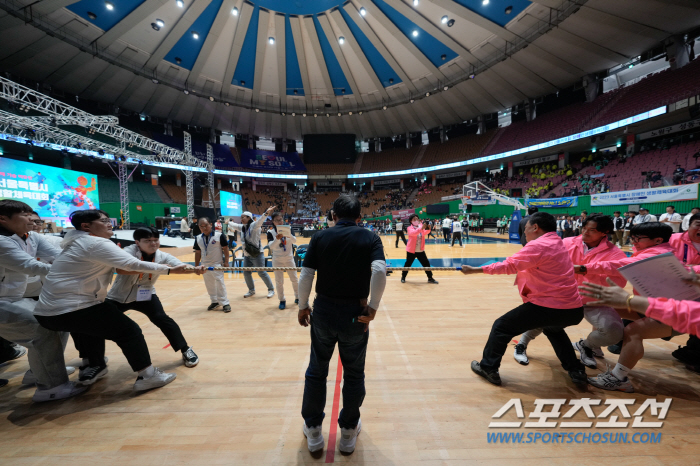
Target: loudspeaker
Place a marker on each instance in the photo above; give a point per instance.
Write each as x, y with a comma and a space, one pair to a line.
469, 207
167, 211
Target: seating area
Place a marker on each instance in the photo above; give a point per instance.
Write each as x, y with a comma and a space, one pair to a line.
433, 194
397, 158
458, 149
258, 201
177, 193
139, 191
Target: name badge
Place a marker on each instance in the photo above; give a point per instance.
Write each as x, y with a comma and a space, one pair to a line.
144, 293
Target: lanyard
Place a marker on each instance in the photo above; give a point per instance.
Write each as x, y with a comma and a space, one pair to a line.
685, 253
150, 275
283, 241
206, 243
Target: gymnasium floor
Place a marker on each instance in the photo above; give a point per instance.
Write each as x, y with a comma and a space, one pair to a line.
241, 405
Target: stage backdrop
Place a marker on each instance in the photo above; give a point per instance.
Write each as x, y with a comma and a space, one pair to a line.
231, 204
271, 160
54, 193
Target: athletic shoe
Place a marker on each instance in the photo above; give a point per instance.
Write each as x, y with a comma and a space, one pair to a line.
158, 379
403, 280
227, 308
598, 353
314, 438
348, 437
579, 377
493, 377
586, 354
616, 348
91, 374
686, 355
190, 358
30, 379
449, 245
4, 382
283, 304
607, 381
212, 306
63, 391
270, 294
249, 294
520, 354
296, 301
19, 352
433, 281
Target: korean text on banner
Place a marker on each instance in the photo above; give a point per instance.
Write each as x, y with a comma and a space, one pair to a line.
687, 192
552, 203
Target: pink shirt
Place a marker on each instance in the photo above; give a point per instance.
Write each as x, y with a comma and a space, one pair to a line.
605, 251
413, 238
682, 316
610, 267
684, 248
545, 273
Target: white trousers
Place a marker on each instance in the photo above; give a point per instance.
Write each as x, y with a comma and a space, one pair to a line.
285, 261
214, 281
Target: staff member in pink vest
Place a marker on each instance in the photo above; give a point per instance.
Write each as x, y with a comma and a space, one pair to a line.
548, 287
415, 249
592, 246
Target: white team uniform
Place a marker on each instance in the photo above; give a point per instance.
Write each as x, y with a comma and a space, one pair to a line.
283, 257
212, 256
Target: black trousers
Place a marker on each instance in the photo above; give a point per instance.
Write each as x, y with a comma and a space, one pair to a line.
456, 236
400, 236
153, 309
526, 317
7, 350
422, 258
446, 234
90, 327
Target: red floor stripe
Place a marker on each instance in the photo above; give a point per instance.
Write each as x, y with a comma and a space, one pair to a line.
166, 346
330, 451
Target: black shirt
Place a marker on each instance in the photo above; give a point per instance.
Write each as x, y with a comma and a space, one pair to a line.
342, 257
222, 240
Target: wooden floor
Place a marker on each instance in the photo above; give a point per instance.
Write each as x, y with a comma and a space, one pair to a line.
241, 405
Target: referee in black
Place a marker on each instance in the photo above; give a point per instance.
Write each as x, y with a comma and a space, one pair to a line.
400, 232
351, 266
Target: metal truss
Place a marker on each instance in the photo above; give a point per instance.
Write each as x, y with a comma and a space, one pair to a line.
189, 178
124, 195
210, 174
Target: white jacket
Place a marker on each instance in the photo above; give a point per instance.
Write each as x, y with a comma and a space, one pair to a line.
18, 262
276, 249
252, 235
79, 278
125, 287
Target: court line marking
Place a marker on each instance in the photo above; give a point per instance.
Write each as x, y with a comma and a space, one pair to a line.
332, 434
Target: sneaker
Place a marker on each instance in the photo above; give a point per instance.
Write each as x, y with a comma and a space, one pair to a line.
190, 358
212, 306
30, 379
403, 280
348, 437
158, 379
296, 301
686, 355
520, 354
586, 354
61, 392
579, 377
19, 352
433, 281
90, 374
615, 349
449, 245
4, 382
283, 304
598, 353
249, 294
607, 381
314, 438
227, 308
270, 294
493, 377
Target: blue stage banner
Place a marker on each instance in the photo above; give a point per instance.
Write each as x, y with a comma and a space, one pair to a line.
551, 203
271, 160
223, 158
53, 193
231, 204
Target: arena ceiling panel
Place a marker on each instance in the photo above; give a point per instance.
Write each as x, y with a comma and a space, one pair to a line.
368, 67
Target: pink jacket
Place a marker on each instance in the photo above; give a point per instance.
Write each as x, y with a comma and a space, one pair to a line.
605, 251
684, 249
682, 316
610, 267
545, 273
413, 238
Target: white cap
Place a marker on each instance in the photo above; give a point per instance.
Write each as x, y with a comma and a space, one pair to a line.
247, 214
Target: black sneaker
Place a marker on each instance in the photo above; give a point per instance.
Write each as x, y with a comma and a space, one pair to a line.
579, 377
433, 281
616, 348
91, 374
190, 358
403, 280
686, 355
212, 306
227, 308
4, 382
493, 377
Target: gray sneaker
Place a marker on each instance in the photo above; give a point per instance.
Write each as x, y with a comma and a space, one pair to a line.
607, 381
314, 438
520, 354
493, 377
158, 379
190, 358
348, 438
586, 354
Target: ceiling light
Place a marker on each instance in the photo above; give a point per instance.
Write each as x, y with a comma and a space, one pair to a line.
234, 12
443, 57
444, 19
384, 107
339, 114
154, 81
160, 23
142, 117
427, 94
195, 35
485, 2
304, 115
155, 27
296, 92
180, 3
328, 115
472, 76
242, 83
415, 2
109, 6
178, 60
363, 11
415, 33
186, 92
411, 100
294, 114
341, 39
450, 23
349, 113
360, 113
92, 15
257, 110
391, 80
315, 115
211, 98
509, 10
271, 40
283, 114
445, 88
226, 103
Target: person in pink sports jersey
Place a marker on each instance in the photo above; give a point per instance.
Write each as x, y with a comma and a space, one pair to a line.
415, 249
548, 287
